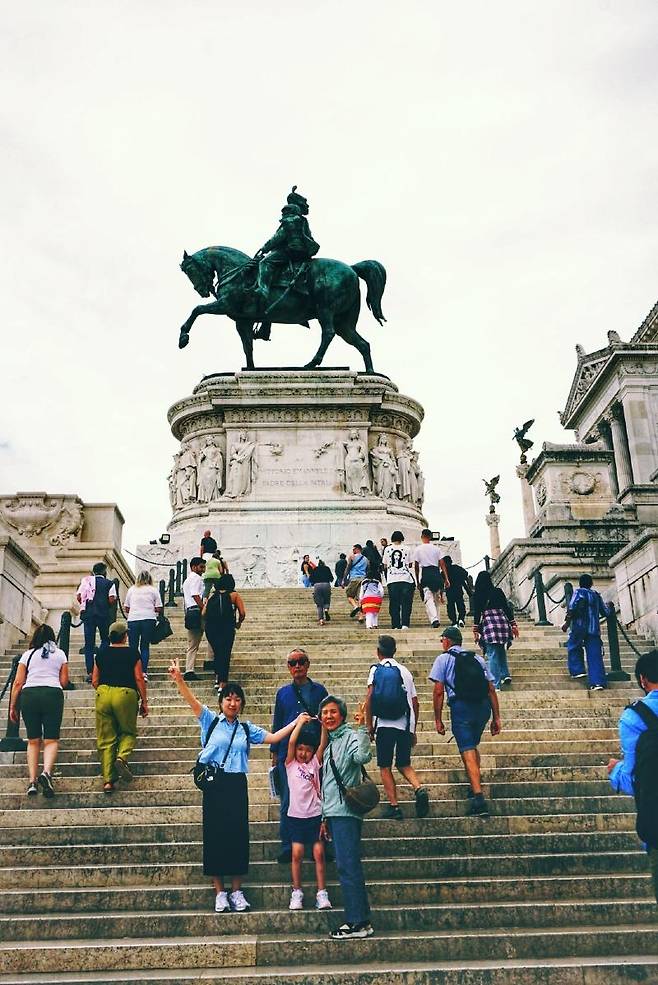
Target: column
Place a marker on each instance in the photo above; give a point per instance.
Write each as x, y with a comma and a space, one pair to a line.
620, 447
493, 521
606, 437
640, 433
526, 497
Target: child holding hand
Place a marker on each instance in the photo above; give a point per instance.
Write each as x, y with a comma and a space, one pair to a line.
303, 764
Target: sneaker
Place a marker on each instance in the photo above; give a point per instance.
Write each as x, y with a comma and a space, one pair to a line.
146, 677
404, 627
349, 931
478, 807
88, 679
322, 901
436, 624
122, 769
296, 900
578, 677
221, 903
506, 680
32, 790
189, 675
460, 624
285, 857
597, 687
46, 785
238, 902
392, 812
422, 802
327, 617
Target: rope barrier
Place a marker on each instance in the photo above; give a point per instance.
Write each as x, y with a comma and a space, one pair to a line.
630, 643
157, 564
523, 607
10, 677
469, 566
557, 601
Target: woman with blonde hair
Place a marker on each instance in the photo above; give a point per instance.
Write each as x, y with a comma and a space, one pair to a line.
41, 675
143, 605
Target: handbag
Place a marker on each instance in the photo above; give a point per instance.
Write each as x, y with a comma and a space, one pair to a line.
161, 631
193, 619
361, 798
206, 775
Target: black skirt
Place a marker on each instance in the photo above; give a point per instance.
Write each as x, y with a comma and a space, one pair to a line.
226, 826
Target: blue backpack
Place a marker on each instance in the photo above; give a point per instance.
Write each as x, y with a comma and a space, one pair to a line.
389, 695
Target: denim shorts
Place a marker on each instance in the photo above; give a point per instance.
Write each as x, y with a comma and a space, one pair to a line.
468, 719
304, 830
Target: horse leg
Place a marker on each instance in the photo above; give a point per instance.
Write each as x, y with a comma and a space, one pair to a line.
346, 329
214, 308
245, 331
326, 320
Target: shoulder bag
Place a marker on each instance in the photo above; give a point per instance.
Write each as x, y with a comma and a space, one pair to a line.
361, 798
205, 775
161, 631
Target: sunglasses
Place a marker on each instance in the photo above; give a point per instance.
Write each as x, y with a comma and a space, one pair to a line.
300, 662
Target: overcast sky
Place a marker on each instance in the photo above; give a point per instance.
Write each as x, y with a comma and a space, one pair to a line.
499, 159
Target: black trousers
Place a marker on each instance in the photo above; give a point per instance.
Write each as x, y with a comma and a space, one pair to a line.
400, 602
456, 606
222, 645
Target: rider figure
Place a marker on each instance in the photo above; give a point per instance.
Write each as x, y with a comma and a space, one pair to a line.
291, 244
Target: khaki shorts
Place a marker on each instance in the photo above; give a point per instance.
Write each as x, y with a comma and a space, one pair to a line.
352, 590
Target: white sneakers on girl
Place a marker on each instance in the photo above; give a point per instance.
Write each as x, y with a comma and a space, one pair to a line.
322, 901
221, 903
296, 900
238, 902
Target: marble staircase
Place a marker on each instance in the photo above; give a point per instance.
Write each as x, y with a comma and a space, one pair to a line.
552, 889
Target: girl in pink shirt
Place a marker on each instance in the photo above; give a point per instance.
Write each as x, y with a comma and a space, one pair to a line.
303, 764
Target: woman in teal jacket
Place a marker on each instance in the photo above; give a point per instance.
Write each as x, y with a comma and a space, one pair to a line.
349, 749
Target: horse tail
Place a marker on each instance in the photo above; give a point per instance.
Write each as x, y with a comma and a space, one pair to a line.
374, 274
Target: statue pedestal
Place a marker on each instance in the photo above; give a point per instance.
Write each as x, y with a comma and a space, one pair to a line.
278, 464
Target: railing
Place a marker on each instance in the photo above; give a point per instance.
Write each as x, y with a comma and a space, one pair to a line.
11, 742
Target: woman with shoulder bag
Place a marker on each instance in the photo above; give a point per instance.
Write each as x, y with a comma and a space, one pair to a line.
226, 743
143, 605
347, 752
223, 613
41, 675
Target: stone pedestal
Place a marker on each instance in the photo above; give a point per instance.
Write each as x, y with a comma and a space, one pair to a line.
282, 463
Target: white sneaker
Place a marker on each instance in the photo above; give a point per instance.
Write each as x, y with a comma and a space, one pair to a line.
237, 902
296, 900
404, 627
322, 901
460, 624
221, 903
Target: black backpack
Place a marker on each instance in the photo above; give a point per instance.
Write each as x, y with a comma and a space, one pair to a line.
645, 776
471, 682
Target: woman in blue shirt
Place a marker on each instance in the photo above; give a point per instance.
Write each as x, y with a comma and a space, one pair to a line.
226, 806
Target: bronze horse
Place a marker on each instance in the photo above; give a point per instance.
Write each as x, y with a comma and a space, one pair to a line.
333, 298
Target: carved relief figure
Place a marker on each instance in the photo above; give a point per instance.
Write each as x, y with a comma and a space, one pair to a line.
210, 472
69, 525
240, 467
187, 464
357, 482
404, 471
384, 469
418, 481
171, 482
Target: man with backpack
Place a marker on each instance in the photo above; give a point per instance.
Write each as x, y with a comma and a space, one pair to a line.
464, 677
637, 773
391, 719
584, 613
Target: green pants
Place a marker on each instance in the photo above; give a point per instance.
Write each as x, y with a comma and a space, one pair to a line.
653, 861
116, 726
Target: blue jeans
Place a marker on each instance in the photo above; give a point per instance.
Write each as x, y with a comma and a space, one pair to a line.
496, 654
284, 830
140, 634
91, 622
593, 647
346, 836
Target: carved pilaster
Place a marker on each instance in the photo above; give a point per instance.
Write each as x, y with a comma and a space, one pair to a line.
620, 446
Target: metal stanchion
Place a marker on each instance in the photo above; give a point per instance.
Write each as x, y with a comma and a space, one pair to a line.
179, 577
184, 568
616, 672
12, 742
487, 562
162, 588
541, 600
170, 603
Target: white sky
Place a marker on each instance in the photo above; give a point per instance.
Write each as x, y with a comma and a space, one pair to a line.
500, 159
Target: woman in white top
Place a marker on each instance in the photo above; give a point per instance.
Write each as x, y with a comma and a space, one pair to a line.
399, 581
41, 675
142, 606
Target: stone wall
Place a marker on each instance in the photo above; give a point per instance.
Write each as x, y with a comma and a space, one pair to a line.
18, 609
635, 570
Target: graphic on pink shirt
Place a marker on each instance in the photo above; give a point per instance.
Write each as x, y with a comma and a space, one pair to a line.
304, 786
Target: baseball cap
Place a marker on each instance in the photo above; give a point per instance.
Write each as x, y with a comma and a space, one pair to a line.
452, 633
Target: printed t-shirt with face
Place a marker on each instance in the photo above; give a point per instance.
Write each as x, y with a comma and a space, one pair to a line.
397, 559
410, 687
304, 786
44, 671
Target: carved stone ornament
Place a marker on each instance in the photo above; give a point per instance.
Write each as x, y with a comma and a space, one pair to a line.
541, 494
582, 483
31, 515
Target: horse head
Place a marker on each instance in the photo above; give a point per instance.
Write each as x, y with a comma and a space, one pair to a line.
199, 271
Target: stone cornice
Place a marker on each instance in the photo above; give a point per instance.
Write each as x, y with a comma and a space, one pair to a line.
594, 452
594, 367
648, 330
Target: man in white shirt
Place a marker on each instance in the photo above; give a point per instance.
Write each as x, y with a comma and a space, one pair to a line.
430, 575
392, 692
192, 597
